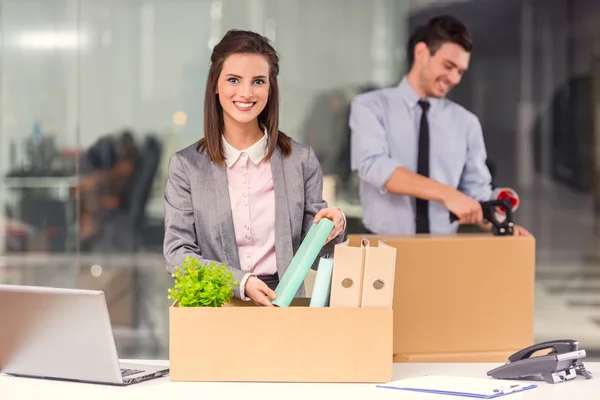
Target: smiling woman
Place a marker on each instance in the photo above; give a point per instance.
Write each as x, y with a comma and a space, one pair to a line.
246, 188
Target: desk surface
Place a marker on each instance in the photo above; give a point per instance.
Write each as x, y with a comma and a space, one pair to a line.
163, 388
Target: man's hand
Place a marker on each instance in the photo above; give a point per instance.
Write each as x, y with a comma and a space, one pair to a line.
467, 209
518, 230
259, 292
334, 214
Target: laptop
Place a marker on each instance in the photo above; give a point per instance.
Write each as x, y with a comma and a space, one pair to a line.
62, 334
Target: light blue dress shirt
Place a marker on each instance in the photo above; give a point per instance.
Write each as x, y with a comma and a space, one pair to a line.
385, 135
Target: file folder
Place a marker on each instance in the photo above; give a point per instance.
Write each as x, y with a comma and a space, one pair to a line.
479, 388
305, 257
378, 276
322, 286
347, 278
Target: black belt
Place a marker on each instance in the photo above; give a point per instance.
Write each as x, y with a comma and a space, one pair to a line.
271, 280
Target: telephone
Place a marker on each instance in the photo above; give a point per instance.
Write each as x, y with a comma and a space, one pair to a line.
563, 363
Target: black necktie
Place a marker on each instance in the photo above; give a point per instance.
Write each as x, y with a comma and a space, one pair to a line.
423, 168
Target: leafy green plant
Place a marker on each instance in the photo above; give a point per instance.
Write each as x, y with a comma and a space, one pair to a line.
198, 285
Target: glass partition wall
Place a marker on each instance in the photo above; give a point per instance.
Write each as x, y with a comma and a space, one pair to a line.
96, 95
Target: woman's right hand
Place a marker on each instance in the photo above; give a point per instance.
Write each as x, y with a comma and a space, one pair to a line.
259, 292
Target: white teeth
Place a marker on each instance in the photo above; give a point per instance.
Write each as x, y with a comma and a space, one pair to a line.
243, 105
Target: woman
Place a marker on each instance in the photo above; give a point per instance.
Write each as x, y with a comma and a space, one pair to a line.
246, 194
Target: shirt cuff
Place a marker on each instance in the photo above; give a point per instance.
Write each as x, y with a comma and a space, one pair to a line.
243, 287
383, 170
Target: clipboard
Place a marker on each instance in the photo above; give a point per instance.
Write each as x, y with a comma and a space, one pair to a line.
478, 388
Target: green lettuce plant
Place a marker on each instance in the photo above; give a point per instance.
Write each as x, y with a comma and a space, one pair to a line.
198, 285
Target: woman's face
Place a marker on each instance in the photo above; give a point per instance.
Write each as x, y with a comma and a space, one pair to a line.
243, 87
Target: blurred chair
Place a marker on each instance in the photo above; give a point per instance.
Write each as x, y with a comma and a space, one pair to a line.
120, 195
101, 155
139, 192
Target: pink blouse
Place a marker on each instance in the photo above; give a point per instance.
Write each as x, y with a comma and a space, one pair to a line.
253, 208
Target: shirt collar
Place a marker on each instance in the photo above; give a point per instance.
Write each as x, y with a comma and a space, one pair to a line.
256, 152
412, 98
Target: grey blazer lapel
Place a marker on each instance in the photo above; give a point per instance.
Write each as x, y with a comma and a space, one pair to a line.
283, 232
224, 215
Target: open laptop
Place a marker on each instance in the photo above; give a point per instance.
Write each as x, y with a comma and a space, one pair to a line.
62, 334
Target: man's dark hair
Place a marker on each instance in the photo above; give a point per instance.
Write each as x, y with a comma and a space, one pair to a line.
439, 30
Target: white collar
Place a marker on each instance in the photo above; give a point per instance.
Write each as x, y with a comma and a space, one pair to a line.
256, 152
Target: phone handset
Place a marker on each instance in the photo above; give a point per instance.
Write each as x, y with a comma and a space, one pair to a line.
562, 363
558, 346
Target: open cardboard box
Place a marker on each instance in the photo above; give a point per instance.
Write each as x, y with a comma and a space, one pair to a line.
245, 343
461, 298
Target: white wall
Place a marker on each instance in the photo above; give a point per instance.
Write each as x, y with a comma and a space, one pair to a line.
36, 80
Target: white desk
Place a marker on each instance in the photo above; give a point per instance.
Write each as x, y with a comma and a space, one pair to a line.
163, 388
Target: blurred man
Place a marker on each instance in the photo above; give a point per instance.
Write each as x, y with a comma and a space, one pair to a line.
418, 154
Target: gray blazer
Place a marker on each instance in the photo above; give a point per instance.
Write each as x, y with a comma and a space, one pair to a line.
198, 217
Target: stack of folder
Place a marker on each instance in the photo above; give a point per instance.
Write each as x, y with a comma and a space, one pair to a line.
363, 275
305, 257
356, 276
322, 286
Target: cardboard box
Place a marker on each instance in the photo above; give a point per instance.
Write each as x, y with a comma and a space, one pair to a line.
243, 343
461, 298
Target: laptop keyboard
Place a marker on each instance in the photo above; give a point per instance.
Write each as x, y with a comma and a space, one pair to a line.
127, 372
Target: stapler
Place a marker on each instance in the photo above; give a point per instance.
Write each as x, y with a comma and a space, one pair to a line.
563, 363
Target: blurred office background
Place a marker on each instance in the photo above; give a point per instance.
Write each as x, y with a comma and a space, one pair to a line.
96, 95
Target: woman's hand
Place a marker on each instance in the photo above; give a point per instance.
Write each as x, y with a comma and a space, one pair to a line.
336, 215
259, 292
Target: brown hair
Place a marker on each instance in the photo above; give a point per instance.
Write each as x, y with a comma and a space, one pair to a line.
241, 42
439, 30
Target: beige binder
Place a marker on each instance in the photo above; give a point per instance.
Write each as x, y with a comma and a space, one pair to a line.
378, 276
346, 281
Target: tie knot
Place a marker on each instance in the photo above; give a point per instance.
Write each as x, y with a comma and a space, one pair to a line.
424, 105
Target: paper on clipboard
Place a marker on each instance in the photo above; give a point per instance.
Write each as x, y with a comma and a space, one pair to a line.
481, 388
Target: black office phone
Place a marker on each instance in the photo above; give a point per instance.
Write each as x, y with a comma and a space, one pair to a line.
563, 362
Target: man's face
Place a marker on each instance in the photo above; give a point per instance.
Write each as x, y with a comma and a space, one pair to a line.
442, 71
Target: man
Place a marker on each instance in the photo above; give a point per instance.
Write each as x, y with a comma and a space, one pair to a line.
418, 154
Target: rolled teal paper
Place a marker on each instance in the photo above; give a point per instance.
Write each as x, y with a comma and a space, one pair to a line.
305, 257
322, 286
